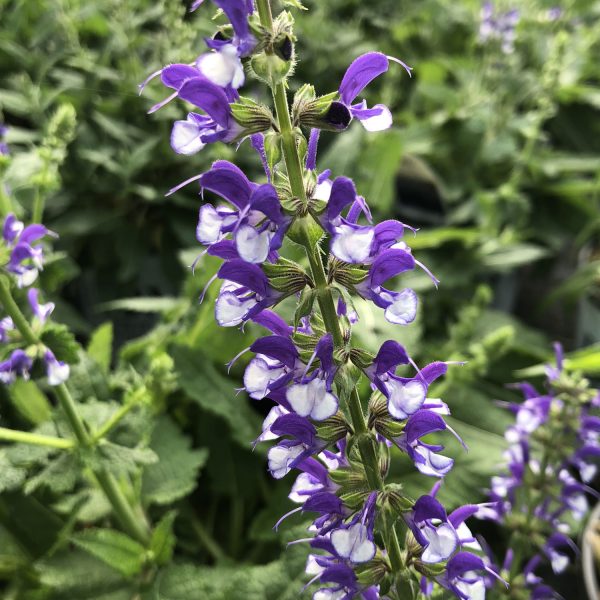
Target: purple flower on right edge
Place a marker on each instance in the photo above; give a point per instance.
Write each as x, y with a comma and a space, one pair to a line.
550, 463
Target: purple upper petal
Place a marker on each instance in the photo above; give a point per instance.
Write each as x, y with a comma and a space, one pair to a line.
246, 274
174, 76
462, 563
422, 423
277, 347
390, 355
360, 73
209, 97
295, 426
265, 200
274, 323
427, 507
229, 182
389, 264
343, 193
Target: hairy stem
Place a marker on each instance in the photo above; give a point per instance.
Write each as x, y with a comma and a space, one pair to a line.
326, 302
35, 439
135, 526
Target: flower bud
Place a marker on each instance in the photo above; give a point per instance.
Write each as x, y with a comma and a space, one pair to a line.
252, 116
286, 276
270, 68
333, 429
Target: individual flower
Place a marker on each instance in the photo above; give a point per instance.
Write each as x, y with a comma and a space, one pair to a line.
26, 258
40, 311
253, 220
17, 365
425, 456
57, 371
359, 74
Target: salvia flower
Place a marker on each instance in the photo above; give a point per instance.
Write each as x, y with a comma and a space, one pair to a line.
336, 456
26, 258
553, 452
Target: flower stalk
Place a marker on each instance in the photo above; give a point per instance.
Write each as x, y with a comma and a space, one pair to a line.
133, 524
325, 297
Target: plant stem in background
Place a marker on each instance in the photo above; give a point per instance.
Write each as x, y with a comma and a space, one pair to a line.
134, 525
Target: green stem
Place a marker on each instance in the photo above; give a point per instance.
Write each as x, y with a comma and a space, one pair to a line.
38, 207
325, 297
35, 439
114, 420
208, 541
6, 206
134, 526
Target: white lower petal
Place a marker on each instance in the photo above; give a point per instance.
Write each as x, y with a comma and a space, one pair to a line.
259, 374
378, 122
405, 399
442, 543
252, 246
223, 68
403, 308
280, 457
230, 310
352, 245
185, 137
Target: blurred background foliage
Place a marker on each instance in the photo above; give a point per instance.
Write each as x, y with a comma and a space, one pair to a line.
494, 155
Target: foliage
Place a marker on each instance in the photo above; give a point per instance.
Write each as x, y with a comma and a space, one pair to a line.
496, 158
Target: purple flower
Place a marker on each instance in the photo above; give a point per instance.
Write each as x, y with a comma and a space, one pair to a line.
359, 74
400, 307
425, 456
26, 260
312, 396
41, 311
17, 365
217, 125
6, 325
244, 294
57, 371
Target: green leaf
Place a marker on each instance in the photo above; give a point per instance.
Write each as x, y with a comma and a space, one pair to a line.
215, 394
279, 580
59, 476
163, 540
12, 476
30, 401
305, 305
122, 459
515, 255
113, 548
77, 575
62, 342
100, 345
174, 475
143, 305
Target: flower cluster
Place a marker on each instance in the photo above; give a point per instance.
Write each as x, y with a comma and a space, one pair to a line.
499, 26
311, 369
24, 258
554, 447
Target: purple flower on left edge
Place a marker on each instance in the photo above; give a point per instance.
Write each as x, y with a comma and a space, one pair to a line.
17, 365
26, 257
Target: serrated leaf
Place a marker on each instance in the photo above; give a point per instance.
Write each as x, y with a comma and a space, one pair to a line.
163, 540
100, 346
59, 476
113, 548
62, 342
174, 475
215, 394
122, 459
87, 381
77, 575
12, 476
279, 580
